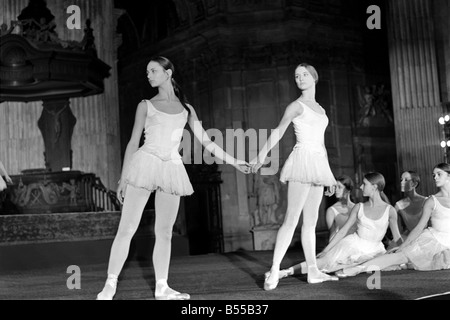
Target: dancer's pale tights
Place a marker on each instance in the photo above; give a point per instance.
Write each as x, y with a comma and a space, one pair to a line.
306, 198
166, 210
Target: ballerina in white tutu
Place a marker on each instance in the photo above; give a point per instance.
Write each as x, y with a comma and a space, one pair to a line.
3, 172
372, 219
157, 167
306, 170
425, 249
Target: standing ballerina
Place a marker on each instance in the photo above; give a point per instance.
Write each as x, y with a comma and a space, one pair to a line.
157, 166
306, 170
425, 249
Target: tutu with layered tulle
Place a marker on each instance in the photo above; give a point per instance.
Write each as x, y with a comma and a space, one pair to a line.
427, 253
351, 251
308, 163
150, 172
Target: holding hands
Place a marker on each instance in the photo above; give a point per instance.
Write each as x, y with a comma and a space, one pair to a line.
242, 166
256, 165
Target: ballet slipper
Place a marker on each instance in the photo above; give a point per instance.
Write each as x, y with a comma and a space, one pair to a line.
315, 276
283, 274
170, 294
269, 286
322, 278
109, 290
350, 272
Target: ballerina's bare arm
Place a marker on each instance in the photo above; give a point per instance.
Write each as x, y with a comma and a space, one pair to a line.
292, 111
343, 232
202, 136
133, 145
428, 208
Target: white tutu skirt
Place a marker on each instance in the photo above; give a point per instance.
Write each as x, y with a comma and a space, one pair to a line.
426, 253
308, 164
351, 251
152, 173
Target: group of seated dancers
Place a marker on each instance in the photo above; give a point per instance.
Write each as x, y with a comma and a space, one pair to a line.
374, 235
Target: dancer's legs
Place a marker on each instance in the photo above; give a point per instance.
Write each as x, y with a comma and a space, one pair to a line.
380, 263
166, 210
133, 206
310, 216
298, 193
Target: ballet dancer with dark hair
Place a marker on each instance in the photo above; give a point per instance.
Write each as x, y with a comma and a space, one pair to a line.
157, 167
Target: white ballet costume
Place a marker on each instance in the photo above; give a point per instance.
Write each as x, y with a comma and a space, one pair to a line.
431, 250
157, 165
358, 247
308, 162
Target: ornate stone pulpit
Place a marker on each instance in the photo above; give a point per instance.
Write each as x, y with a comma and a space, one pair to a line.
35, 65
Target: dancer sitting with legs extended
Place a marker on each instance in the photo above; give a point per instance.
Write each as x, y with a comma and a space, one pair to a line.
425, 249
157, 166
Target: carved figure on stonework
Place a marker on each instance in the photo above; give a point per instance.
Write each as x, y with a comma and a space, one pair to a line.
73, 189
267, 191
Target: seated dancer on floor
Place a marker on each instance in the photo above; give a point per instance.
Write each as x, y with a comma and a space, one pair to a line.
410, 207
425, 249
338, 214
372, 218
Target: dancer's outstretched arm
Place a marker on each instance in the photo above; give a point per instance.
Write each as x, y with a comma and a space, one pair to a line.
292, 111
343, 232
202, 136
132, 147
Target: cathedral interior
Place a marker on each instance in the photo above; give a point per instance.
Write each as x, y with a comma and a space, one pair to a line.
72, 77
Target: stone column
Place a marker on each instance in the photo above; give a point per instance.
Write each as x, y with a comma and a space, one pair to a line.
415, 87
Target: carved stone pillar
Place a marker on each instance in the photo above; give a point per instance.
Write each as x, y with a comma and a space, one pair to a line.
415, 87
56, 124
